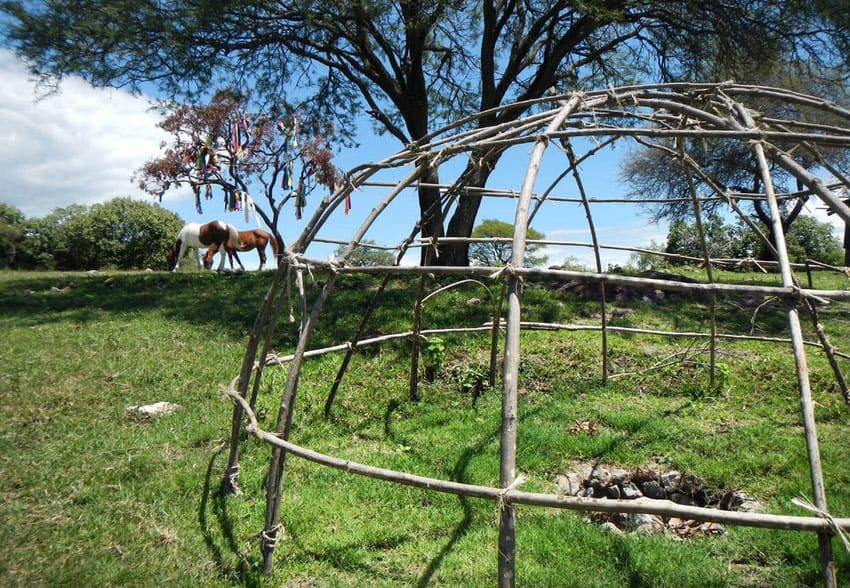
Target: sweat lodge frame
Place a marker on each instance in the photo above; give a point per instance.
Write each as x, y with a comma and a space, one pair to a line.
664, 117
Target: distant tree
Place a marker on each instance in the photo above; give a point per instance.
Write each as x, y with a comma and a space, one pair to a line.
807, 238
122, 233
721, 237
496, 253
732, 165
366, 257
11, 233
44, 245
811, 239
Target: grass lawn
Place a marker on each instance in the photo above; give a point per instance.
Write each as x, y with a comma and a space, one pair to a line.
94, 498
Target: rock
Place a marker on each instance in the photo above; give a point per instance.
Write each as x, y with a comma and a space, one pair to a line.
650, 529
149, 411
586, 493
621, 312
671, 480
737, 500
148, 270
600, 476
629, 491
612, 528
618, 475
644, 474
569, 485
653, 489
681, 498
109, 282
612, 492
473, 302
645, 523
92, 272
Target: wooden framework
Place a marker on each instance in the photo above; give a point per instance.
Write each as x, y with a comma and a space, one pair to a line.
665, 117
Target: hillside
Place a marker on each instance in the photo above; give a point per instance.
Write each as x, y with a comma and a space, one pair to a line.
94, 497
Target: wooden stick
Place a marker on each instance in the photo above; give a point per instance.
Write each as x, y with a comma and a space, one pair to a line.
806, 404
415, 342
712, 309
788, 293
580, 185
277, 462
507, 451
513, 194
664, 508
230, 483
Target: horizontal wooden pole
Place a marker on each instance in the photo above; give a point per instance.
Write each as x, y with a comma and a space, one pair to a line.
664, 508
588, 277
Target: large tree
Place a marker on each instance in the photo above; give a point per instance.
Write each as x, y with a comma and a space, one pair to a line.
414, 64
657, 170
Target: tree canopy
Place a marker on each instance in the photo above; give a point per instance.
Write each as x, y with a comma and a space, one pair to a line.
122, 233
241, 153
657, 170
495, 253
364, 256
808, 238
413, 65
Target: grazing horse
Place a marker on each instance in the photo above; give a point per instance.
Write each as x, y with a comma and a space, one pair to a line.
256, 239
196, 236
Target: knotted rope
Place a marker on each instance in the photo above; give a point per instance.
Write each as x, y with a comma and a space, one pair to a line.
507, 269
804, 503
271, 536
503, 494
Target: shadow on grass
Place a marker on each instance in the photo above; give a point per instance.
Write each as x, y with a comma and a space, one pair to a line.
242, 573
458, 474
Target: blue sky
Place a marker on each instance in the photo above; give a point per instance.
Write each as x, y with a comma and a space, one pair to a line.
83, 145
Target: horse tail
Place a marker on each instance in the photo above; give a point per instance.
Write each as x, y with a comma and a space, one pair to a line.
273, 243
234, 236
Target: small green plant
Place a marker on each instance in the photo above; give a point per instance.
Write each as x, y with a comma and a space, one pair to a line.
433, 356
472, 380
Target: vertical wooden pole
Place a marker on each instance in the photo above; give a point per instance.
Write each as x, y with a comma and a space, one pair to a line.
712, 311
806, 403
415, 342
277, 464
507, 448
586, 205
494, 335
230, 483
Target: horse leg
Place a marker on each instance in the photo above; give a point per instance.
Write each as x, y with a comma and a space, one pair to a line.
261, 251
221, 261
180, 255
236, 255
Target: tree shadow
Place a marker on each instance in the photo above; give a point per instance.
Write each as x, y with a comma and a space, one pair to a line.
458, 474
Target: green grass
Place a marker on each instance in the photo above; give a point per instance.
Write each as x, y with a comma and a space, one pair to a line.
91, 497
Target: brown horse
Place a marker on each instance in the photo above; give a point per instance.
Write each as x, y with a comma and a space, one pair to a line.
256, 239
196, 236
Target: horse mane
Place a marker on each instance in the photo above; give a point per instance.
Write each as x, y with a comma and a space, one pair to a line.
234, 235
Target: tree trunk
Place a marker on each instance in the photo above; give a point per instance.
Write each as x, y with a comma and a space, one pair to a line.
463, 219
432, 217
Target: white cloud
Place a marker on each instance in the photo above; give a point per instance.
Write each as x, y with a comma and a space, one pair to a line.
637, 232
819, 210
81, 145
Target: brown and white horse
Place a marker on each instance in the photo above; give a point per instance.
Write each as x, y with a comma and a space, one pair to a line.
256, 239
196, 236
